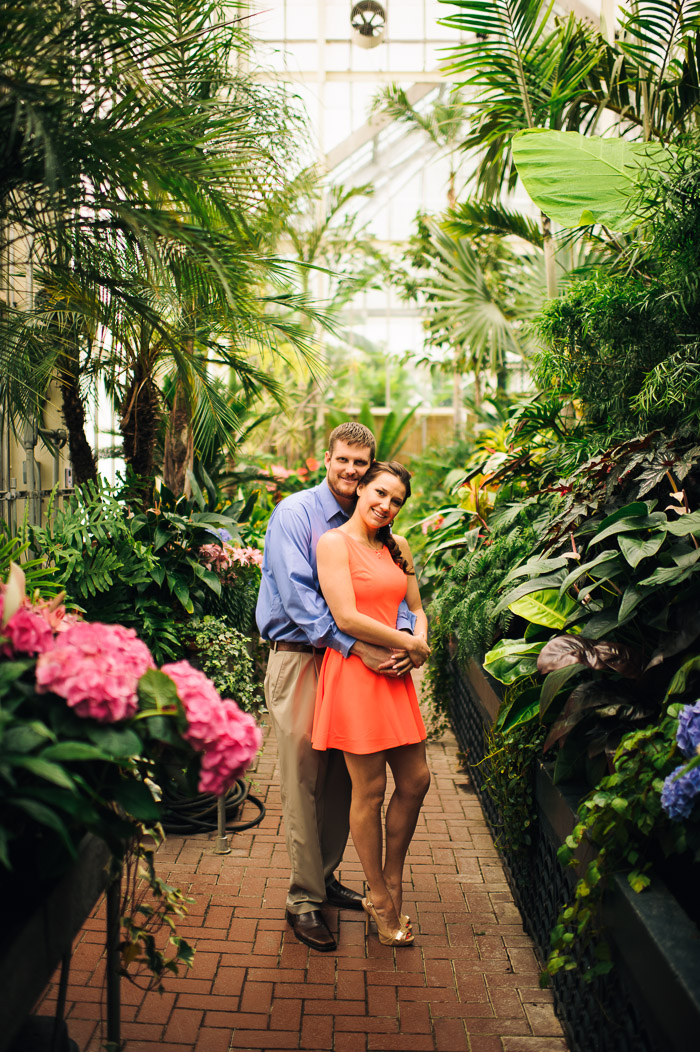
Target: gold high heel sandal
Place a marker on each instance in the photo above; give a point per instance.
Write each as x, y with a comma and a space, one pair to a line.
387, 936
404, 919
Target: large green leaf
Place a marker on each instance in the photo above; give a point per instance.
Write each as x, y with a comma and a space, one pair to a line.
137, 800
65, 751
209, 578
628, 524
26, 736
511, 659
158, 693
534, 566
579, 180
635, 549
667, 575
633, 510
525, 708
52, 772
680, 680
631, 598
534, 585
545, 607
685, 524
585, 568
554, 683
120, 743
183, 594
40, 813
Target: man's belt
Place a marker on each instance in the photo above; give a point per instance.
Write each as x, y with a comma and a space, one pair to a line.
296, 648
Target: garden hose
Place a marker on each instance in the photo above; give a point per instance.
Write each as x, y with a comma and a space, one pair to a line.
185, 814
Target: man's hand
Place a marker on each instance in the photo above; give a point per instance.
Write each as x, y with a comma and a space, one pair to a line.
380, 659
399, 664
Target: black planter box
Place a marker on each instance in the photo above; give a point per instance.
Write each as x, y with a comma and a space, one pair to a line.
650, 1002
39, 932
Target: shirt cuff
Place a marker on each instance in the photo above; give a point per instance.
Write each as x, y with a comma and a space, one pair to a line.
406, 620
342, 643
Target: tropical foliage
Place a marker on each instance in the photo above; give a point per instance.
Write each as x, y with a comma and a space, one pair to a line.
588, 623
159, 271
141, 569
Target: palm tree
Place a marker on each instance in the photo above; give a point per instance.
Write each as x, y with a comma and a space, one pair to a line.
523, 70
323, 242
649, 79
138, 168
481, 295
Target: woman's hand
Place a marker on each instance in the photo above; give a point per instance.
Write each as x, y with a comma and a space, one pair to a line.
418, 650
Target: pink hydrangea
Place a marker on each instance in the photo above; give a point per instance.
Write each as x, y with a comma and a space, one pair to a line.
227, 737
96, 668
201, 701
233, 752
27, 632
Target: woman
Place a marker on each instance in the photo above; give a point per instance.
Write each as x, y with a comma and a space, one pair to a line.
364, 573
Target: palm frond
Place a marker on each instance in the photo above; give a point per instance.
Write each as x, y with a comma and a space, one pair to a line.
523, 68
478, 218
659, 37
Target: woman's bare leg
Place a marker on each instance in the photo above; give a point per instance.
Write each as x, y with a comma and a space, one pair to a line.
368, 774
411, 780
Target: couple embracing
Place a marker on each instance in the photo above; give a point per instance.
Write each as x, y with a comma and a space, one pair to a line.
340, 605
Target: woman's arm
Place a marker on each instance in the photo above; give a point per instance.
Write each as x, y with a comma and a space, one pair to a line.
413, 598
336, 584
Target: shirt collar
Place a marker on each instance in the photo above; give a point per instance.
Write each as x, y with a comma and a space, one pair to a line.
329, 504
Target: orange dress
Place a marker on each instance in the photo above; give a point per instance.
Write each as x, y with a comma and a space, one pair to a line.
357, 710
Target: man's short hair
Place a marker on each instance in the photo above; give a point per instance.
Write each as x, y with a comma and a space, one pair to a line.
355, 434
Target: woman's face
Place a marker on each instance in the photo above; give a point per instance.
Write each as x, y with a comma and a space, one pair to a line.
379, 501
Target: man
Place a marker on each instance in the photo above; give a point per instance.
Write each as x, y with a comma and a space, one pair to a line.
293, 615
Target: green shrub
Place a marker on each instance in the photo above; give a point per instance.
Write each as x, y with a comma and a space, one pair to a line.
624, 342
223, 654
139, 570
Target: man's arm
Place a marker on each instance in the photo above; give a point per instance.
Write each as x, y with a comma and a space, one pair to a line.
287, 546
406, 619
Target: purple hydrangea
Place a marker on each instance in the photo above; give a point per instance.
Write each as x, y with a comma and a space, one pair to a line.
688, 734
679, 794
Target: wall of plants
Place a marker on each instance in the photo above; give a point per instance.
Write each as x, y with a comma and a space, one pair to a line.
563, 557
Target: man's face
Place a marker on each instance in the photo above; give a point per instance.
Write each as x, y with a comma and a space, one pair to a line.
345, 466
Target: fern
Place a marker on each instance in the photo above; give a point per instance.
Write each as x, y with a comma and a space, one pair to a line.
95, 573
673, 384
463, 617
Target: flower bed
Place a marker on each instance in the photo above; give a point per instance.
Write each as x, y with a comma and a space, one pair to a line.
650, 1002
92, 734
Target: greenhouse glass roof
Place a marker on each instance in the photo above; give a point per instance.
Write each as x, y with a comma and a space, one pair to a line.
312, 44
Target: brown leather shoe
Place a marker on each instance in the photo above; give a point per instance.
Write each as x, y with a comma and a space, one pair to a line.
311, 928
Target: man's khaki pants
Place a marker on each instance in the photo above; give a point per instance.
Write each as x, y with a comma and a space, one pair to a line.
315, 786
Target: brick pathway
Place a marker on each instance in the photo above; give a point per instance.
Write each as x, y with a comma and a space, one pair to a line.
469, 982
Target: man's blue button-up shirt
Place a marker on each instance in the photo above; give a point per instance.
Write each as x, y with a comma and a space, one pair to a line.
290, 605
